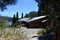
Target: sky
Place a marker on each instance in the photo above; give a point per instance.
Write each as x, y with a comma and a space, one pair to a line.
22, 6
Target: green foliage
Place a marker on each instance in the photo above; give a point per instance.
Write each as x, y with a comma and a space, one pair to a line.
17, 18
31, 14
26, 15
41, 5
14, 20
5, 3
22, 15
46, 31
42, 31
50, 8
49, 29
58, 28
15, 25
3, 22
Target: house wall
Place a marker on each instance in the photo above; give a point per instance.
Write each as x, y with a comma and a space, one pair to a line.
44, 25
37, 23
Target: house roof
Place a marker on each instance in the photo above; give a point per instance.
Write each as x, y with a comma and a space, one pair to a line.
44, 20
32, 19
36, 18
24, 19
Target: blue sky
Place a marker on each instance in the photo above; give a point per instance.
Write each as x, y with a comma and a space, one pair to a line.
24, 6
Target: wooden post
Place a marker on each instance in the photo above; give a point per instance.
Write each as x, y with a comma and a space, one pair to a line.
55, 34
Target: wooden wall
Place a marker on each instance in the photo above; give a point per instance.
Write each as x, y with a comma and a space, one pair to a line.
37, 23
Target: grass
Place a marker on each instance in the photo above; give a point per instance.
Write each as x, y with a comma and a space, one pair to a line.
41, 31
11, 34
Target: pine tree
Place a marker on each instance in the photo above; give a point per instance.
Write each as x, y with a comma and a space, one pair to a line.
17, 18
22, 15
14, 20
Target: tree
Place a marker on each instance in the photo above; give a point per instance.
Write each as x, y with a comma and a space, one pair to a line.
31, 14
3, 22
41, 6
5, 3
26, 15
22, 15
50, 8
17, 18
14, 20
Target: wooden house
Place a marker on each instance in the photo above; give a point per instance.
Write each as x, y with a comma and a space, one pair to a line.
36, 22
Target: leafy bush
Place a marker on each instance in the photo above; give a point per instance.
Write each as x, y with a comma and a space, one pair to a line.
58, 28
49, 29
42, 31
3, 22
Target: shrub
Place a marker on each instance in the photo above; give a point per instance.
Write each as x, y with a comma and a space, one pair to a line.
42, 31
49, 29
